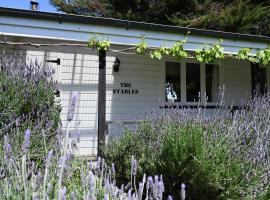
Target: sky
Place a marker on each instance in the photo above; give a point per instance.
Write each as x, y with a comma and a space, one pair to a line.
44, 5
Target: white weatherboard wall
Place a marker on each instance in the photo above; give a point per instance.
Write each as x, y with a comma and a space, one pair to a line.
79, 72
235, 76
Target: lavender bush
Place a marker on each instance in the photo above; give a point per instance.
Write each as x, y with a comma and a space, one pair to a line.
65, 177
36, 158
220, 156
27, 101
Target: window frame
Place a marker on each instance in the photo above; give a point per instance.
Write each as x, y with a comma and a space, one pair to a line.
183, 82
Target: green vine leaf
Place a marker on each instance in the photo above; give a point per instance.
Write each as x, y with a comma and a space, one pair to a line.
263, 56
178, 51
245, 54
99, 45
141, 47
205, 55
156, 54
209, 55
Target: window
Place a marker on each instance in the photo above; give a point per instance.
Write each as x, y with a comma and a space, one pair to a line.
193, 81
186, 81
173, 86
212, 82
258, 76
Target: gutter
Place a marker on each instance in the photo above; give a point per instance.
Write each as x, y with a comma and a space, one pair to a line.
91, 20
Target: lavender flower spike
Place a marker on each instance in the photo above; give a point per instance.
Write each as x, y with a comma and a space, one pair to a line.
113, 169
106, 197
62, 193
48, 159
183, 191
134, 165
26, 143
71, 109
170, 197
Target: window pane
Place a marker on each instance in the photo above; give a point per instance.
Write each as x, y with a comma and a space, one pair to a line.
172, 87
212, 82
193, 81
258, 76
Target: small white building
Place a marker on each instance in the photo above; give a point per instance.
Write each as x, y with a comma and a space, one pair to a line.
142, 83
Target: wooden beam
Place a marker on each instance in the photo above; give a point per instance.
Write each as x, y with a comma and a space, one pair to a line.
101, 99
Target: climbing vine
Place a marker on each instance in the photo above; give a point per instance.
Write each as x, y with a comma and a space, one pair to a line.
141, 47
245, 54
208, 54
99, 45
263, 56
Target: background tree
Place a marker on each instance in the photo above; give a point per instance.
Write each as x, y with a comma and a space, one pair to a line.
244, 16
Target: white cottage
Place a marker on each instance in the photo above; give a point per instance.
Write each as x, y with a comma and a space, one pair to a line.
134, 83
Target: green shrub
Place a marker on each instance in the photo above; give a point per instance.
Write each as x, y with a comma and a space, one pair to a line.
200, 155
119, 152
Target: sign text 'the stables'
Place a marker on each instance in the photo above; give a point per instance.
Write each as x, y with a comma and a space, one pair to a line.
126, 88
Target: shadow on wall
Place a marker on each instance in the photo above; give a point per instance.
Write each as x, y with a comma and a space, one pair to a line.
77, 72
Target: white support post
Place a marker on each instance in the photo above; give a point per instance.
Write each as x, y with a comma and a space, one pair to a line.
203, 82
183, 82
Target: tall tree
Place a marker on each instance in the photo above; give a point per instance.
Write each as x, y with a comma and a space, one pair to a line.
245, 16
156, 11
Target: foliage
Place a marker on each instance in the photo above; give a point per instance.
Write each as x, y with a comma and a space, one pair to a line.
245, 54
177, 51
141, 47
65, 177
205, 55
243, 16
99, 45
209, 55
137, 145
222, 156
263, 56
143, 10
27, 100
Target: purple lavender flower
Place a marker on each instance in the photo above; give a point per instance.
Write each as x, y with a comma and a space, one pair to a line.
71, 109
183, 191
113, 169
48, 159
134, 165
62, 162
156, 179
129, 194
73, 195
91, 182
149, 183
170, 197
106, 197
140, 189
7, 147
62, 193
160, 189
26, 143
98, 163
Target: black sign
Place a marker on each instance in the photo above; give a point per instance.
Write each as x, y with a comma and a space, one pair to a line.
125, 89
